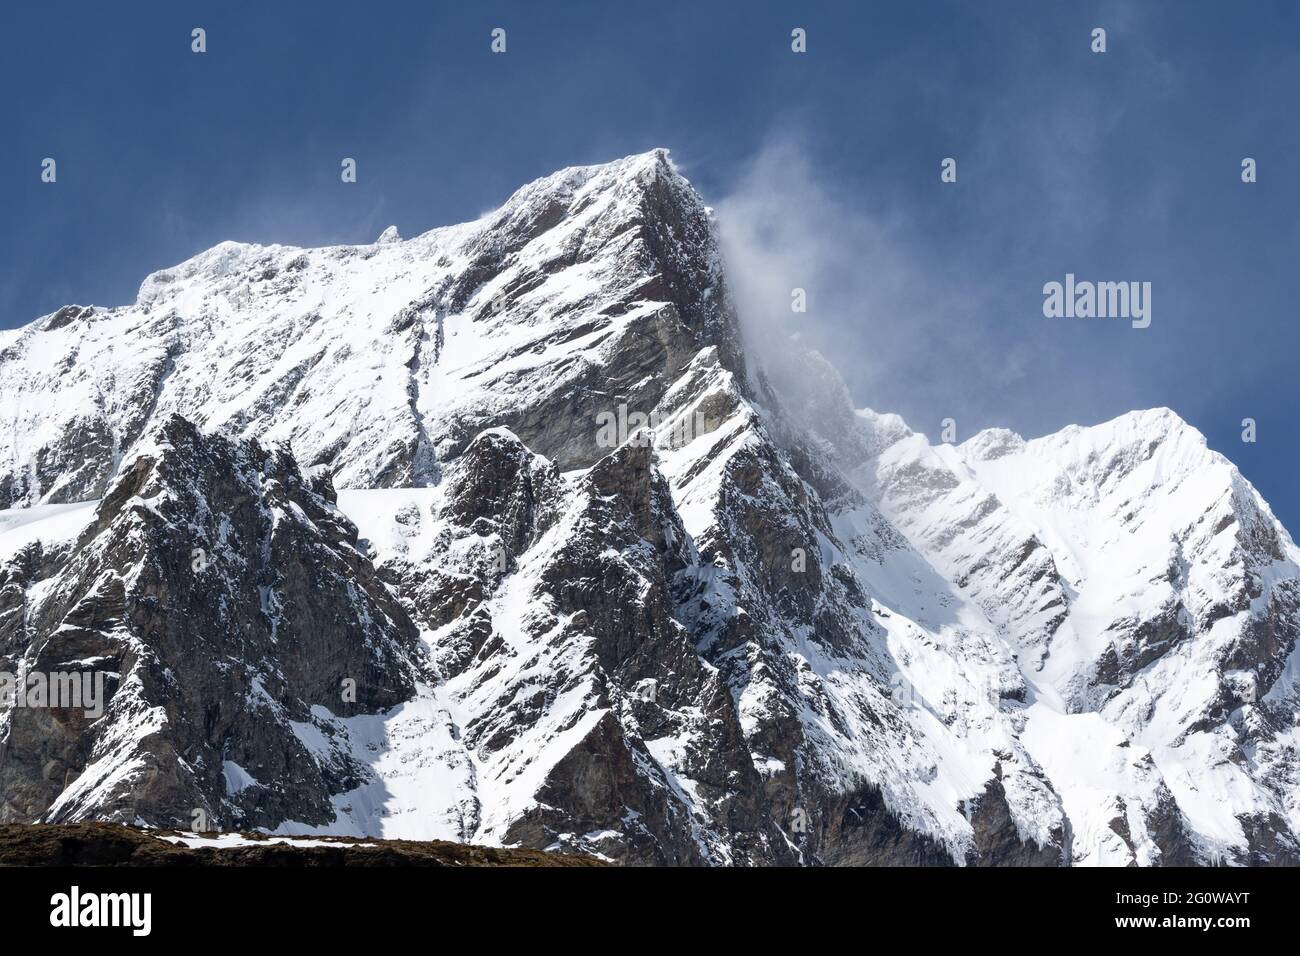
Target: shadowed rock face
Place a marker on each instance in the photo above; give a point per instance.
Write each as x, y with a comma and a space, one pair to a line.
222, 592
766, 629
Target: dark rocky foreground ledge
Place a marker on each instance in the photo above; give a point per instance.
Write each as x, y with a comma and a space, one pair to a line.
111, 844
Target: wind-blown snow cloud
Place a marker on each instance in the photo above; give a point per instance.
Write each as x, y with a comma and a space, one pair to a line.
873, 307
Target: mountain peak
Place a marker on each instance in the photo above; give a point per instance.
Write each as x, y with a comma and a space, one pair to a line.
991, 443
639, 167
627, 182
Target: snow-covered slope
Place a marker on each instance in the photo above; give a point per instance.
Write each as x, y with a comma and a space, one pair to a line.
1154, 603
383, 360
763, 629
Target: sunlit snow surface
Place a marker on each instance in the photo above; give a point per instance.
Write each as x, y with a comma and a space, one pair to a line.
20, 527
1128, 522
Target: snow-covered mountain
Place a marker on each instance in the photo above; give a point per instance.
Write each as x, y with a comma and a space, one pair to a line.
596, 577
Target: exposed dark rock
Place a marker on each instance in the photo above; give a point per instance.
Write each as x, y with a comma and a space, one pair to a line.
226, 599
108, 844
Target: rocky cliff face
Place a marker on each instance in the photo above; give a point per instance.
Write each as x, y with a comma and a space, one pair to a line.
597, 580
222, 594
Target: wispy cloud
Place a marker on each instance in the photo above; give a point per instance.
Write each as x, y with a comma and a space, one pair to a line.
876, 307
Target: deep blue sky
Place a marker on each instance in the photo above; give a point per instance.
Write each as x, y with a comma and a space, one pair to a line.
1117, 166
